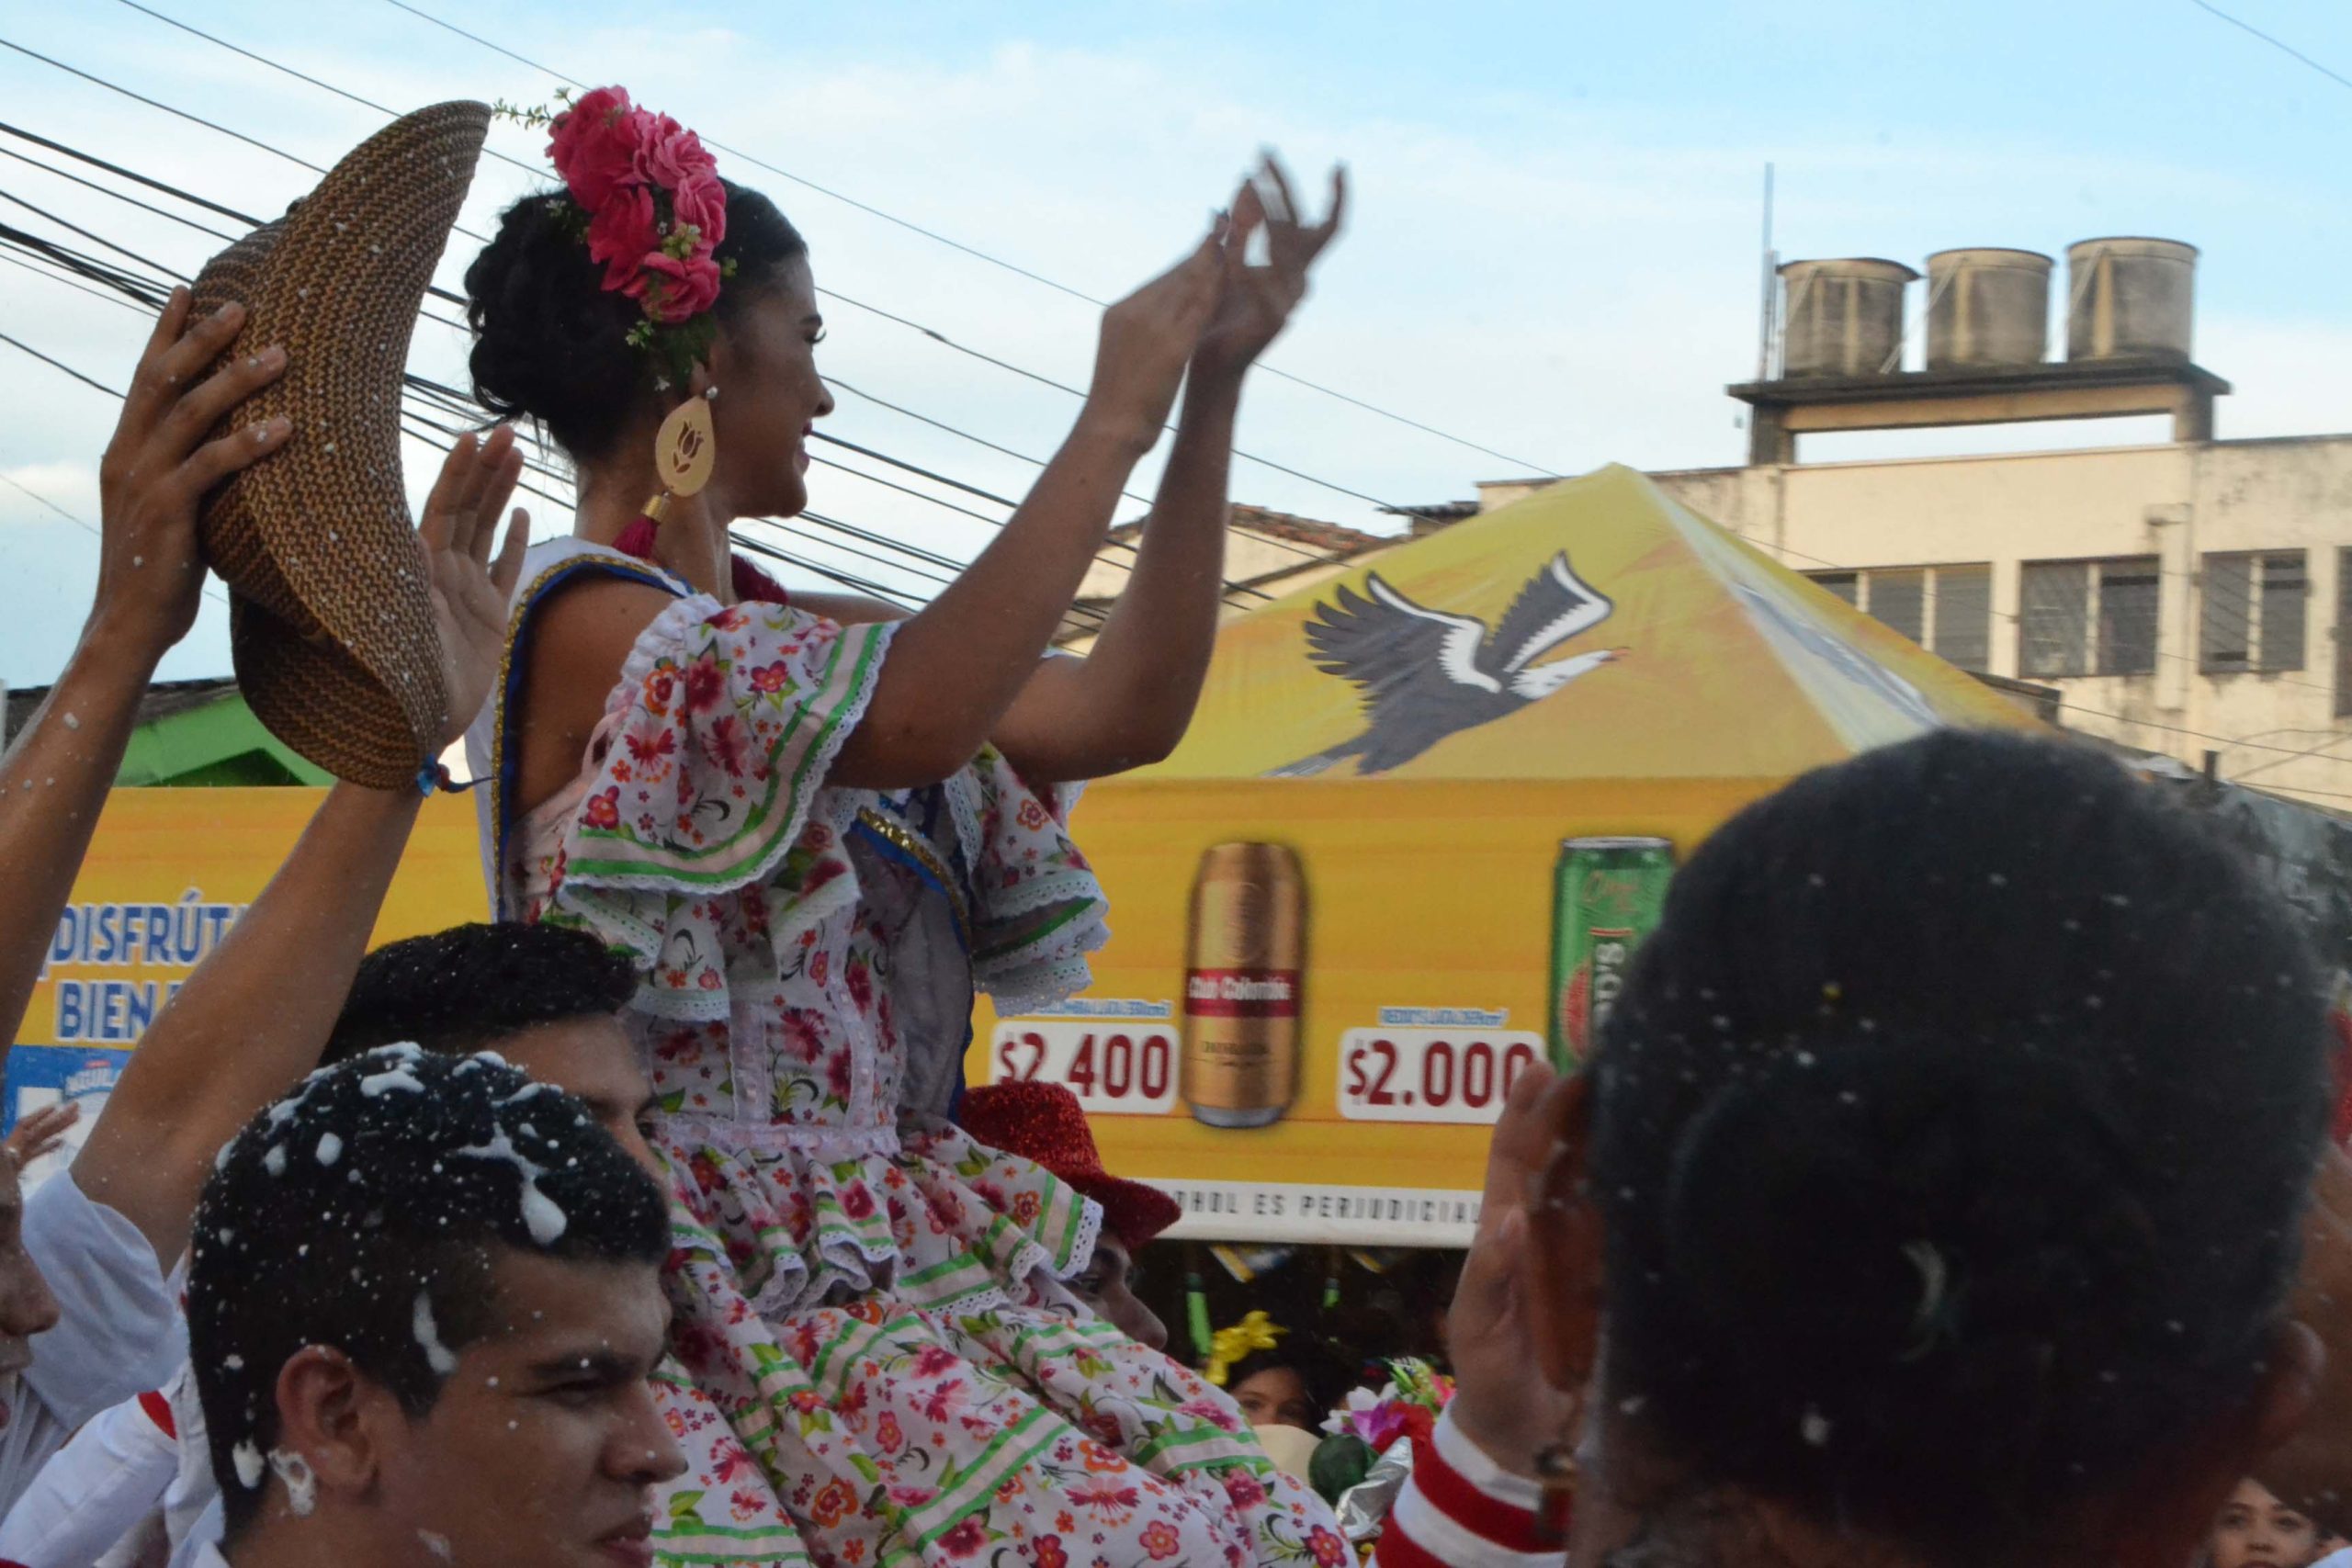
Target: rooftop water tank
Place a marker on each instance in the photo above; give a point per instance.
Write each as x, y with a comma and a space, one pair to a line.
2129, 298
1987, 307
1845, 317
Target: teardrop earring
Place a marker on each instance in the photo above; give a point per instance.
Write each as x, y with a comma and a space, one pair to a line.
686, 449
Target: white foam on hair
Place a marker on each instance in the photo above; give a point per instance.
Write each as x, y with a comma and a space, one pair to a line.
376, 1084
541, 1216
428, 1335
330, 1148
249, 1465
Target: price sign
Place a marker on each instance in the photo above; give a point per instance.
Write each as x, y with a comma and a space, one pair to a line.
1114, 1069
1430, 1075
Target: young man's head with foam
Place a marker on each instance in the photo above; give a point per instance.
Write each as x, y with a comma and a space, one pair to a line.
424, 1301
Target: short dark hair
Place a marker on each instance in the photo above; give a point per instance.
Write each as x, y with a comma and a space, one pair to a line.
1952, 1134
458, 989
364, 1211
551, 342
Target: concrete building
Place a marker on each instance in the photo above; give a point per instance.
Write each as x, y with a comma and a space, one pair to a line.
1267, 555
2184, 597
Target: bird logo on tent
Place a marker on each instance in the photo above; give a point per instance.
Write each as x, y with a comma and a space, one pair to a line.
1426, 674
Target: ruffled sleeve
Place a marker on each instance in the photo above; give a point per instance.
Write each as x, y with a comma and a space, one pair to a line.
717, 741
1037, 909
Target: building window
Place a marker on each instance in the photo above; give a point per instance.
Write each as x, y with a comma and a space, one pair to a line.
1947, 608
1965, 615
2344, 633
2127, 616
2253, 616
2087, 617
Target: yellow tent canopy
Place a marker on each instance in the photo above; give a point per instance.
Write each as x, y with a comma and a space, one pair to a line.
1421, 733
1597, 629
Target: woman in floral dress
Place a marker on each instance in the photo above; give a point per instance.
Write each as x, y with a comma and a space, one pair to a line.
818, 827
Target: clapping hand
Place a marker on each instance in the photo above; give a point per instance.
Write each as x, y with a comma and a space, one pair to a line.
1254, 303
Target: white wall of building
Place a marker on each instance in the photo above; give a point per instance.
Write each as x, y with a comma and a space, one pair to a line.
2176, 502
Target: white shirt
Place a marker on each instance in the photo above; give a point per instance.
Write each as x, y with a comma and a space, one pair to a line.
141, 1464
118, 1331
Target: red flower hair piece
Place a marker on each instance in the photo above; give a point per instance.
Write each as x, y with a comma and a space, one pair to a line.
655, 213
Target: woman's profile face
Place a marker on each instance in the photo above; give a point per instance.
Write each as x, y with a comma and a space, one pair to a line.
2254, 1529
1277, 1397
769, 393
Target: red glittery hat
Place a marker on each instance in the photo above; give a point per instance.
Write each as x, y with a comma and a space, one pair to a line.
1044, 1122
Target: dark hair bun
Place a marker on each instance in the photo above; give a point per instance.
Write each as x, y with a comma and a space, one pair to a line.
551, 344
1951, 1131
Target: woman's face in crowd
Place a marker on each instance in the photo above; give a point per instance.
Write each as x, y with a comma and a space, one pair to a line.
2256, 1530
770, 395
1276, 1397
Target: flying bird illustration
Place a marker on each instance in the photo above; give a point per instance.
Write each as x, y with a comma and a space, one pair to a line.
1426, 674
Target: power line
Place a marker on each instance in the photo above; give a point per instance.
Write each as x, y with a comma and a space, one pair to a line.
2279, 44
446, 295
976, 253
931, 333
157, 104
85, 523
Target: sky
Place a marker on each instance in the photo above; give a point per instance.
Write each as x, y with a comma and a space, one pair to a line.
1553, 252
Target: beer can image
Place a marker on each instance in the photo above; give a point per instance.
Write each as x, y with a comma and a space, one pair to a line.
1244, 962
1606, 897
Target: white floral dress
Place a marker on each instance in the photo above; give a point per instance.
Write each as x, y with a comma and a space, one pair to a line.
873, 1338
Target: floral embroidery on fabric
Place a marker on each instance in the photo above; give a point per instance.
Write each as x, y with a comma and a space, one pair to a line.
875, 1350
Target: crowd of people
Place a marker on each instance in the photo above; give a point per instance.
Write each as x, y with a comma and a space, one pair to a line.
1949, 1187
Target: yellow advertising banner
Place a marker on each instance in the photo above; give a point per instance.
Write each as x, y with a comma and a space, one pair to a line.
168, 873
1355, 903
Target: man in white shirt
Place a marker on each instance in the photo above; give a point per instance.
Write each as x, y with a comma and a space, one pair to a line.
103, 1329
424, 1306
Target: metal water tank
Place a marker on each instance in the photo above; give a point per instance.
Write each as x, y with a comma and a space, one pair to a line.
1845, 317
2129, 298
1987, 307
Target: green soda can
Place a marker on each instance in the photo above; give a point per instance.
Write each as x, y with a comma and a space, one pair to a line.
1606, 897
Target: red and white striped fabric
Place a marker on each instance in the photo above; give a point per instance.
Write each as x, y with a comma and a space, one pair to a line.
1459, 1509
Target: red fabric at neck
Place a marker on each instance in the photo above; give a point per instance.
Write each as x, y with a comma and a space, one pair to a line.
751, 583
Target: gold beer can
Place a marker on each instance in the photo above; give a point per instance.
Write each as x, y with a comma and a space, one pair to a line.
1244, 961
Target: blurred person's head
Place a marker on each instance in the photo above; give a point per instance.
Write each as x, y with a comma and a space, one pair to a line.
26, 1308
2256, 1529
1942, 1164
545, 998
1043, 1122
424, 1297
1294, 1381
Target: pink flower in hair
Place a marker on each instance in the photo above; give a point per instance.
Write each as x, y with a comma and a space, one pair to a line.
674, 290
594, 145
621, 232
668, 154
700, 199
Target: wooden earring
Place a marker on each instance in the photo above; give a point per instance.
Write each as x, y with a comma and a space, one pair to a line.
686, 449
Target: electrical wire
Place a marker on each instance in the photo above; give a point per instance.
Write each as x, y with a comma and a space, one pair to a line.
443, 294
2279, 44
973, 251
85, 524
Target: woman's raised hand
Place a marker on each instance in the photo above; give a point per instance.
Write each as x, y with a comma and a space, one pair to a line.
1254, 303
1148, 337
469, 589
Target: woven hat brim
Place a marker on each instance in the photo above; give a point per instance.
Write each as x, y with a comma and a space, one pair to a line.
343, 661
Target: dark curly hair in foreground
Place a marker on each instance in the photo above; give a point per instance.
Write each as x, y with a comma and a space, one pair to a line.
1951, 1136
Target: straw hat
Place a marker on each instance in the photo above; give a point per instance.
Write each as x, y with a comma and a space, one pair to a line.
331, 625
1044, 1124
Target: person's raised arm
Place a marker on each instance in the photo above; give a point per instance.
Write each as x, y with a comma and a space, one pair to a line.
958, 664
1129, 701
256, 1013
157, 467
